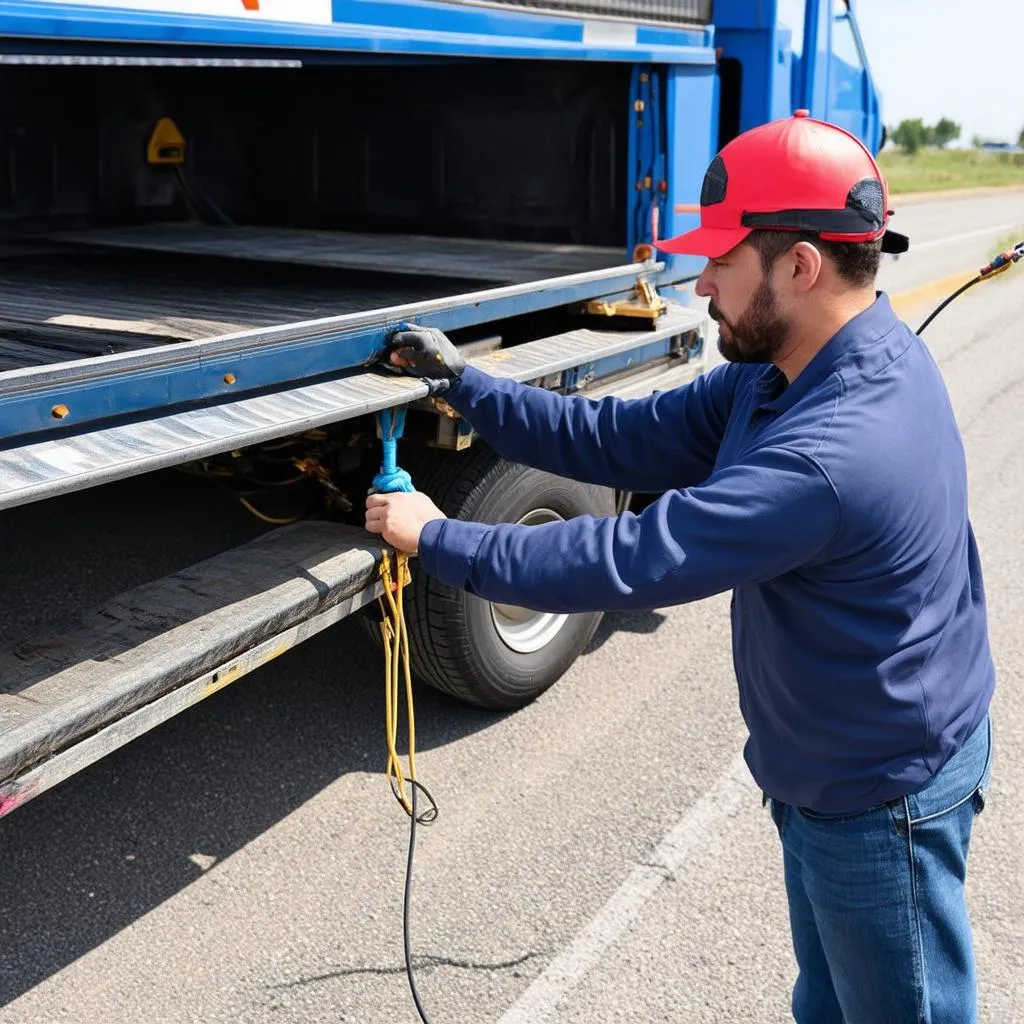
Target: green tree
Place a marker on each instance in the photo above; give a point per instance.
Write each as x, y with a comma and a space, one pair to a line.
945, 132
1020, 139
911, 134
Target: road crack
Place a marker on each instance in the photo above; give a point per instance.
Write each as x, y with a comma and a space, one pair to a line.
427, 962
661, 869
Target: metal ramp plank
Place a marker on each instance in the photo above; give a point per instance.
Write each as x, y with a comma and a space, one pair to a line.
55, 466
465, 258
200, 624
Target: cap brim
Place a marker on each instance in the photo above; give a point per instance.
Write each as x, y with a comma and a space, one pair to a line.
894, 242
708, 242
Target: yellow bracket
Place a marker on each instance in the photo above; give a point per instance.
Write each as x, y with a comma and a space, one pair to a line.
646, 304
166, 144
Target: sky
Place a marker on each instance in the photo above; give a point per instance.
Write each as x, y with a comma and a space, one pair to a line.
965, 55
947, 58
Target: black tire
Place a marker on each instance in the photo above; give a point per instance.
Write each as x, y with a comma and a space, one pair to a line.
456, 646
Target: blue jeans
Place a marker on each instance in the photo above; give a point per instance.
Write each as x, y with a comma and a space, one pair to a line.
876, 902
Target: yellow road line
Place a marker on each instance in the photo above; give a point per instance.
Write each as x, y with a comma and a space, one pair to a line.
905, 302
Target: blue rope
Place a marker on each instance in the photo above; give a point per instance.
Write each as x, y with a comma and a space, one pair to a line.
391, 477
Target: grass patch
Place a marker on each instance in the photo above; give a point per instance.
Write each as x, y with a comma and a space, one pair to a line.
932, 170
1005, 243
1009, 241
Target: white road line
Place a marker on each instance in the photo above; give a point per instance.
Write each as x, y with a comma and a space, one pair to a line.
541, 1000
1009, 226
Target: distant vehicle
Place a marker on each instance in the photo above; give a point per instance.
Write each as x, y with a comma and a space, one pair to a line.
997, 146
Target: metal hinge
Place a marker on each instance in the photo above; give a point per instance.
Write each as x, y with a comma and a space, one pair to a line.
646, 304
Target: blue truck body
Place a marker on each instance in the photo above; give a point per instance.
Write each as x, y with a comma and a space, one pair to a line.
499, 169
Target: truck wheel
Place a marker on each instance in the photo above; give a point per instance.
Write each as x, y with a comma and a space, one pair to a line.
495, 655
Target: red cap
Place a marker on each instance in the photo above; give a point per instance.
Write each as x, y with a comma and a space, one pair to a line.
797, 174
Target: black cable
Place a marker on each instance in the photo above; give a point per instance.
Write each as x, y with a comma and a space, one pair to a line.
990, 270
427, 818
217, 211
190, 200
945, 302
196, 203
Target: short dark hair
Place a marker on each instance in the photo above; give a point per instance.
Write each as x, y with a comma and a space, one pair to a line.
856, 262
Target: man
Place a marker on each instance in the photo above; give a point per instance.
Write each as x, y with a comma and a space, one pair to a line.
819, 475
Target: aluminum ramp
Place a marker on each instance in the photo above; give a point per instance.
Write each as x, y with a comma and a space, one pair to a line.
46, 468
70, 697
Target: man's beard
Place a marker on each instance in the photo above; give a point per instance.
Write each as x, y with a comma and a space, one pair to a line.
759, 334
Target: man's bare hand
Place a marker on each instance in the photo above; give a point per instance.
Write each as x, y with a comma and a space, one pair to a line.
400, 518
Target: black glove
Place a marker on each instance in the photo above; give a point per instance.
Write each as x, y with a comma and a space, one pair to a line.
430, 355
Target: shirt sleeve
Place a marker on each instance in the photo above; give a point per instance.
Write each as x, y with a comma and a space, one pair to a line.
749, 522
650, 444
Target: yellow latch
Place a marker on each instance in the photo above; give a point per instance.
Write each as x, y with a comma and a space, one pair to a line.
166, 144
646, 304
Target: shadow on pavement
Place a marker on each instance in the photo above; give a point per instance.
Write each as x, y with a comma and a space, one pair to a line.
91, 856
642, 623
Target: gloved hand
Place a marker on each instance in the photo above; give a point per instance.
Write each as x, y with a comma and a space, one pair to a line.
427, 353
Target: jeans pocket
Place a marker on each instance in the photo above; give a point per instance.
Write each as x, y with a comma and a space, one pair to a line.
964, 779
898, 814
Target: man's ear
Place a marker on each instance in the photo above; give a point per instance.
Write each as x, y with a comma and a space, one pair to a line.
803, 266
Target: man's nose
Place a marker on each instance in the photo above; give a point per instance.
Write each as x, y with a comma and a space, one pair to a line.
703, 287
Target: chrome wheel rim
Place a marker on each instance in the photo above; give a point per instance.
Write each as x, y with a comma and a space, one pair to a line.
524, 630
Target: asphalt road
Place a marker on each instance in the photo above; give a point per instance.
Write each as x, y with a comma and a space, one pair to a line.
600, 856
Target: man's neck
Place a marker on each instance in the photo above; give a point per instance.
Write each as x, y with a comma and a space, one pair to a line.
817, 330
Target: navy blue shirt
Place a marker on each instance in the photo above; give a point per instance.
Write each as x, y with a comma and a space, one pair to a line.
834, 508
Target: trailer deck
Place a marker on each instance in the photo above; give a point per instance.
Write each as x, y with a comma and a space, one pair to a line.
76, 295
471, 259
57, 306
